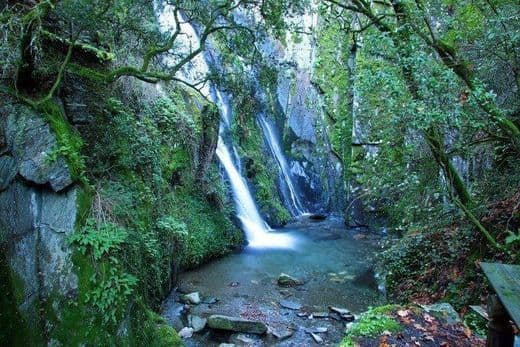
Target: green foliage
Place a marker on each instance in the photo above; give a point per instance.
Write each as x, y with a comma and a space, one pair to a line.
111, 293
111, 287
99, 239
172, 226
210, 233
513, 238
476, 323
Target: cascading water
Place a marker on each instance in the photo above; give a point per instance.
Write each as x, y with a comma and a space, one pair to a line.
256, 229
290, 194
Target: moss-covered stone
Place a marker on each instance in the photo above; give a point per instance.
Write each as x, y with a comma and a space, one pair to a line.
372, 323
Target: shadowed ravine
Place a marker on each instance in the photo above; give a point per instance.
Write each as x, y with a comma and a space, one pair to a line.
333, 262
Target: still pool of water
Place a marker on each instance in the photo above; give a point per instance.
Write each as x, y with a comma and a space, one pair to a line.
335, 263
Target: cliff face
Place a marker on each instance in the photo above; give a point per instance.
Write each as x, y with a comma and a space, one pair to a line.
107, 191
278, 86
39, 203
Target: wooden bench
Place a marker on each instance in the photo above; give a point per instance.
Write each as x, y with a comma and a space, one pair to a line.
505, 306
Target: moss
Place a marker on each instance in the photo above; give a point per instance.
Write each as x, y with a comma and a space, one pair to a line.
69, 141
99, 53
210, 233
372, 323
86, 72
157, 333
15, 330
78, 323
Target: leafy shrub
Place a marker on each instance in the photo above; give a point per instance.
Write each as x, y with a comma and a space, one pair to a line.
99, 239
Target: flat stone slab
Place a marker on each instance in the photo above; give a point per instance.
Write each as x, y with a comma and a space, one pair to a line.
290, 304
236, 324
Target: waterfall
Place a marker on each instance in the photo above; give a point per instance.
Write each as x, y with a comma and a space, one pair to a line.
258, 232
290, 194
256, 229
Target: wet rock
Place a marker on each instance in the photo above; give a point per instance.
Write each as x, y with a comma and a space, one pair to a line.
316, 338
320, 314
192, 298
197, 323
173, 312
290, 304
286, 280
186, 333
210, 300
318, 216
8, 171
341, 311
282, 334
236, 324
317, 330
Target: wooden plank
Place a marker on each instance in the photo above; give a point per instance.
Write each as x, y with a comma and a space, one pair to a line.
505, 280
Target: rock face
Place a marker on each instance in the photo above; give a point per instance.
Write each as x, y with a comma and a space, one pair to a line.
34, 149
38, 209
236, 324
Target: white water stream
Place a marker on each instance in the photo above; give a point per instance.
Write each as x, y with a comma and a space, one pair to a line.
290, 194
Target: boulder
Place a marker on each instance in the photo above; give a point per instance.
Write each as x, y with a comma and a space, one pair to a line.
197, 323
192, 298
236, 324
341, 311
286, 280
